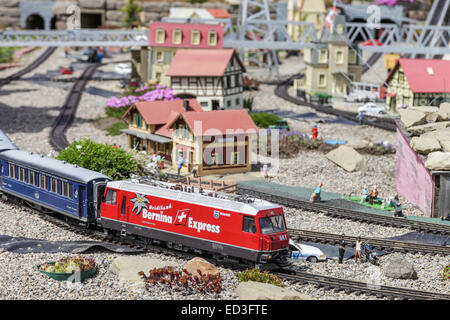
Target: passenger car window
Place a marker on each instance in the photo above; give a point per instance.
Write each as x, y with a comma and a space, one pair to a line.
248, 225
111, 197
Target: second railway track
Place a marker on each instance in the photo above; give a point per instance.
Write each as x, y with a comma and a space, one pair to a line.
384, 220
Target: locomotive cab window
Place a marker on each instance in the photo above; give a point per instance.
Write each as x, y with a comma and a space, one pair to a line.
272, 224
248, 225
110, 197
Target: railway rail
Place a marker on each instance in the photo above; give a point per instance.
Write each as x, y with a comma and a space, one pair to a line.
381, 244
359, 287
354, 215
282, 91
57, 134
36, 63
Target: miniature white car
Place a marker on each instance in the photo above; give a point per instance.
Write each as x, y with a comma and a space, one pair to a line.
304, 252
123, 68
372, 109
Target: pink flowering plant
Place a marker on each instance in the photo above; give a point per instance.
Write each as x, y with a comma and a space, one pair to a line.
116, 107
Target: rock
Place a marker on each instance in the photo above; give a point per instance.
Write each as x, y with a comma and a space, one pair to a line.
10, 3
438, 161
440, 134
432, 117
127, 267
423, 128
114, 15
444, 111
425, 109
201, 264
445, 144
425, 145
397, 267
411, 118
251, 290
347, 158
92, 4
358, 143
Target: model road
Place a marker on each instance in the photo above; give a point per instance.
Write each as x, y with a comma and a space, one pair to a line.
58, 133
36, 63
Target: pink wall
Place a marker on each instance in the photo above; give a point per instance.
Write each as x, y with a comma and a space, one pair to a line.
413, 181
186, 30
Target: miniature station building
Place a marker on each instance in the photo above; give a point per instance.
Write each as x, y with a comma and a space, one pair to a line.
313, 11
330, 66
417, 82
165, 39
217, 142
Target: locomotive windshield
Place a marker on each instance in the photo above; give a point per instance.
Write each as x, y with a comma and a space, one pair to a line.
272, 224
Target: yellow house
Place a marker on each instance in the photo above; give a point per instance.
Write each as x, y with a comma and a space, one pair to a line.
313, 11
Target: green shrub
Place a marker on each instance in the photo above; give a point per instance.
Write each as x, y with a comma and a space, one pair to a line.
88, 154
263, 119
248, 103
116, 112
259, 276
445, 273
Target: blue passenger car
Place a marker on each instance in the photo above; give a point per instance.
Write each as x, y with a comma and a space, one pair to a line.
51, 184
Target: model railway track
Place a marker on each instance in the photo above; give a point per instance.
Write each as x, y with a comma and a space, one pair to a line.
57, 135
359, 287
282, 91
36, 63
348, 213
380, 244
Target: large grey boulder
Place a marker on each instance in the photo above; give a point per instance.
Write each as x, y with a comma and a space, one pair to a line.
444, 111
251, 290
424, 128
397, 267
438, 161
127, 267
347, 158
411, 118
425, 145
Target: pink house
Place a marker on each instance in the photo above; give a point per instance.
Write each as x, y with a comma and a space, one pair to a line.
165, 39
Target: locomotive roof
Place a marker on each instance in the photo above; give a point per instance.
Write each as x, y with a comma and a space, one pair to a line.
52, 166
202, 199
6, 143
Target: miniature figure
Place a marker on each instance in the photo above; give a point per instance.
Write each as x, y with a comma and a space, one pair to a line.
314, 131
315, 196
398, 207
373, 194
180, 164
194, 171
265, 171
358, 250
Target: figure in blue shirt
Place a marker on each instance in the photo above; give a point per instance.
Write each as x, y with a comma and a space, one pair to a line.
316, 194
180, 164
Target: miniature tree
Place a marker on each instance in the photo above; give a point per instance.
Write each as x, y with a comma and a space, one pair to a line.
131, 11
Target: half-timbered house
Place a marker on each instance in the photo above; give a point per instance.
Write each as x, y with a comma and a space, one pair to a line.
214, 77
417, 82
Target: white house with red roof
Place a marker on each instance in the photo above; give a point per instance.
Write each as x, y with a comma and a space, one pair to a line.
165, 39
417, 82
214, 77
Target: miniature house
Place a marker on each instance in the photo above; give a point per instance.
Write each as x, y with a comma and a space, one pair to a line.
165, 39
216, 142
146, 120
313, 11
214, 77
417, 82
330, 66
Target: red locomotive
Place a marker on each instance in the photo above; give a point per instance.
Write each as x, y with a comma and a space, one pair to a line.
228, 227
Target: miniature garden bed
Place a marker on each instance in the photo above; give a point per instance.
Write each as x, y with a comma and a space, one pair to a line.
375, 205
74, 269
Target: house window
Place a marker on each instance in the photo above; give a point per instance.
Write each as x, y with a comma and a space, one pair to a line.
159, 56
238, 101
158, 76
339, 57
195, 37
204, 104
352, 57
160, 36
229, 104
177, 36
340, 29
212, 38
323, 56
322, 80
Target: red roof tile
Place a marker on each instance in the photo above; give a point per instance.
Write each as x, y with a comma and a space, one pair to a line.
426, 75
158, 112
219, 122
219, 13
200, 63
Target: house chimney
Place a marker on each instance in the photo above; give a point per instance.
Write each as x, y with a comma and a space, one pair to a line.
185, 104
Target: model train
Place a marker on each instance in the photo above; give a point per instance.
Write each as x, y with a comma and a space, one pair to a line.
231, 228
